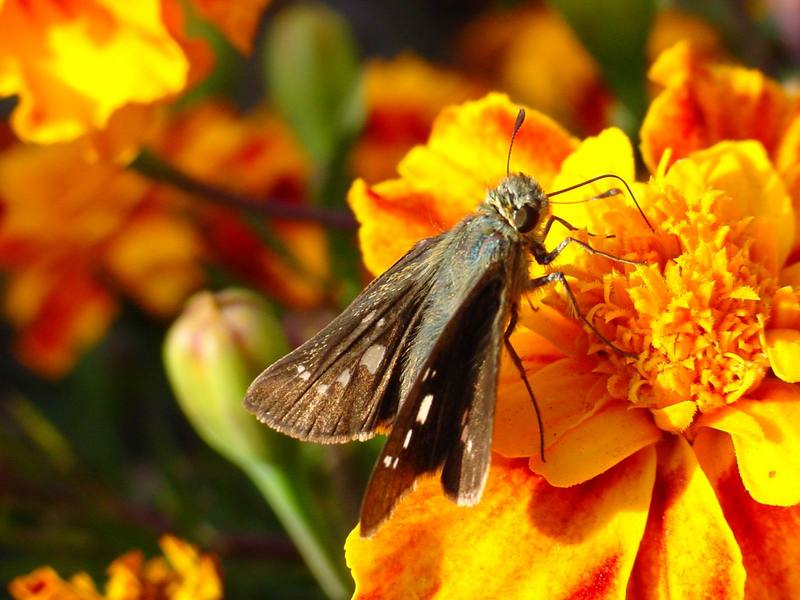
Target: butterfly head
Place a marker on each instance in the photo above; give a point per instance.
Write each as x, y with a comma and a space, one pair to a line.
520, 201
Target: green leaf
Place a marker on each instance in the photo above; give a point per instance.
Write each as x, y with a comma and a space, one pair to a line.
616, 33
312, 71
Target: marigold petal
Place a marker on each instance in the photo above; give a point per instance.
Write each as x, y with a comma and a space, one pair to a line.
569, 543
159, 281
705, 103
745, 173
567, 392
785, 309
65, 63
766, 534
608, 152
236, 20
59, 315
783, 350
475, 136
597, 444
685, 528
770, 467
393, 218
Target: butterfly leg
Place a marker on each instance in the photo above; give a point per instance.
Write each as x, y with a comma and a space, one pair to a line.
543, 257
512, 323
554, 219
573, 302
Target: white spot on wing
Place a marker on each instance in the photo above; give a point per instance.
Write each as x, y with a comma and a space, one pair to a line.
424, 408
368, 317
305, 375
396, 461
408, 439
344, 378
372, 358
387, 461
322, 389
381, 322
469, 446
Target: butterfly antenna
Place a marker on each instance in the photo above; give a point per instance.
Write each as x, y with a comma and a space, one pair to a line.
517, 125
609, 193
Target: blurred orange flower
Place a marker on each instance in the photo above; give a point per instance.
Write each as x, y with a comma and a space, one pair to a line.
182, 573
532, 54
703, 102
63, 61
682, 456
258, 156
402, 97
75, 232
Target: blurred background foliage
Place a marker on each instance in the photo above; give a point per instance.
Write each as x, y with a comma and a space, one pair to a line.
96, 455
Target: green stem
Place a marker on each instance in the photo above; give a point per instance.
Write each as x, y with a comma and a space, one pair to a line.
277, 489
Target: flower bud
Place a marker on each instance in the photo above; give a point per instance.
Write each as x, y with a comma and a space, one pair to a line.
212, 352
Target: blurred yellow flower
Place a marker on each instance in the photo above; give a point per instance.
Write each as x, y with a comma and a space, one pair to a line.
402, 97
652, 460
183, 573
532, 54
75, 65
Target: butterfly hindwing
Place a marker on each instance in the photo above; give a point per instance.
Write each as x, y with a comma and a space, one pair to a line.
343, 383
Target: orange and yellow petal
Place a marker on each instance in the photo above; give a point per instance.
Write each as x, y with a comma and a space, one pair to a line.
672, 26
158, 281
533, 55
236, 20
63, 61
183, 573
688, 549
765, 534
568, 543
402, 97
45, 584
766, 438
59, 311
703, 103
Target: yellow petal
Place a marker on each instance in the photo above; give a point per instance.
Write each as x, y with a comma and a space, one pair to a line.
609, 152
770, 466
596, 445
688, 550
66, 63
767, 535
567, 392
567, 543
783, 350
745, 173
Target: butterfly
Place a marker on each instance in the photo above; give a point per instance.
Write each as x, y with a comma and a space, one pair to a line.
417, 353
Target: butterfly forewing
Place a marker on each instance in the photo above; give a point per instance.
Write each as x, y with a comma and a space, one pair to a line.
446, 416
344, 383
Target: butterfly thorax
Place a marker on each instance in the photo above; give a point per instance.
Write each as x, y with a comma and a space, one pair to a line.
522, 203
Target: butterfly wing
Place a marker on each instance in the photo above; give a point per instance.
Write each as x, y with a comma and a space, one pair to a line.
446, 418
344, 383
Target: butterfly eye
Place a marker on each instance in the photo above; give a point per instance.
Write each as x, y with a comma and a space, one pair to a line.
525, 218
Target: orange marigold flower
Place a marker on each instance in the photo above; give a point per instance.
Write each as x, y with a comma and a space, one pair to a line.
63, 61
534, 56
402, 97
703, 102
182, 573
670, 473
256, 155
72, 231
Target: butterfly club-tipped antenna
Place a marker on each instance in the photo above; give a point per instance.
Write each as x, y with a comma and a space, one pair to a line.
517, 125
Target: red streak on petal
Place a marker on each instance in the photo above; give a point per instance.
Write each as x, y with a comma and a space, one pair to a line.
397, 125
599, 583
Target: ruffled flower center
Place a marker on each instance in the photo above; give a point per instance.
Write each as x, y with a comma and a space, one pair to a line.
694, 314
